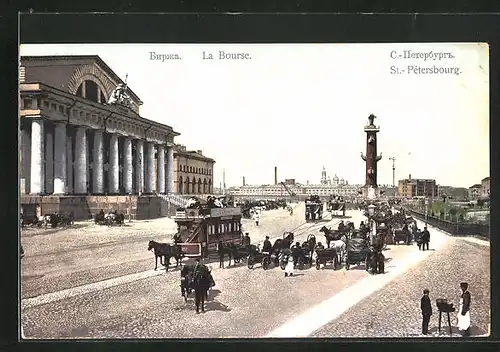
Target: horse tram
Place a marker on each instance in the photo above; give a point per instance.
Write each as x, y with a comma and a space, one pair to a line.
201, 228
337, 205
314, 208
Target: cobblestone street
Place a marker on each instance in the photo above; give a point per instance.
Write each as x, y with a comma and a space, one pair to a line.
395, 310
136, 302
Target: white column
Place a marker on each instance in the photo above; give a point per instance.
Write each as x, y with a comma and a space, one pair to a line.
98, 164
161, 169
127, 165
24, 161
139, 167
81, 161
37, 174
49, 161
150, 174
60, 159
69, 165
170, 170
114, 182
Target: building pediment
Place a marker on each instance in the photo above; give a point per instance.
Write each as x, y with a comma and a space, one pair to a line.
68, 72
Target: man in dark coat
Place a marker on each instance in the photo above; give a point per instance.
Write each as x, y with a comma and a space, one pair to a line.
201, 284
220, 251
426, 307
267, 246
341, 227
246, 240
426, 238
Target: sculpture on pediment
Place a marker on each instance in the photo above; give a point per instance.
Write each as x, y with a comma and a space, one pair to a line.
119, 95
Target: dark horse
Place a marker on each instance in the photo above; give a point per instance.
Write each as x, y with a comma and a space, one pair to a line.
166, 251
200, 282
331, 235
224, 249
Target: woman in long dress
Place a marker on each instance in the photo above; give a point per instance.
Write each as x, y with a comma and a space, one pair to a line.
463, 315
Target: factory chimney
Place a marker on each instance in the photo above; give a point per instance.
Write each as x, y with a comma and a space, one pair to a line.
275, 175
409, 177
243, 180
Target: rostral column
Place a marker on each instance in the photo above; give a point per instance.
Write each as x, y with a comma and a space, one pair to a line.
370, 190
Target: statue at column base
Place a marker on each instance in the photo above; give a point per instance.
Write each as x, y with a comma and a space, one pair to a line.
370, 192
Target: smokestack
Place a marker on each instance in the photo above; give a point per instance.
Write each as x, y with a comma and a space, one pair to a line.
275, 175
224, 180
409, 177
243, 180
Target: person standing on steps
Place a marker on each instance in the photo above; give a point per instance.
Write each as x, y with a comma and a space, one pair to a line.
426, 307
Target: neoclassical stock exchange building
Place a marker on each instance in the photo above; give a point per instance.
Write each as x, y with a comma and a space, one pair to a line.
84, 146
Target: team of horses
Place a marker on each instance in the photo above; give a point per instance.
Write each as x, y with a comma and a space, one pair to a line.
53, 219
111, 218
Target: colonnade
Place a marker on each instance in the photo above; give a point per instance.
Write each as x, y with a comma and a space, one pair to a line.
58, 158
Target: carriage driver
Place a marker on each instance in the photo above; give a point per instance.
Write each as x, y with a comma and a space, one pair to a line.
296, 252
246, 240
320, 246
341, 226
267, 247
177, 238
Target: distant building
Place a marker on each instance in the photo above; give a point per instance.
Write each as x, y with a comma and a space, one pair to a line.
475, 191
290, 181
411, 187
485, 187
193, 172
456, 193
301, 190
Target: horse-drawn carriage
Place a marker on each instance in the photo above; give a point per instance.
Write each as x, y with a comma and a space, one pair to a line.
383, 232
304, 254
336, 206
357, 252
325, 256
257, 256
200, 229
314, 208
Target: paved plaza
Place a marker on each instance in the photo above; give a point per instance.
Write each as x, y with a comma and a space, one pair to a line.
94, 281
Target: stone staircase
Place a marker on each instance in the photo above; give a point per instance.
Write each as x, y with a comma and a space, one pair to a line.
175, 199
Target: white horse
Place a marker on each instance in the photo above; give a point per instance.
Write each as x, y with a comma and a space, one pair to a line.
340, 248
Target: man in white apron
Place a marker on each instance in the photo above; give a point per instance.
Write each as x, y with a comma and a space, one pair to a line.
463, 314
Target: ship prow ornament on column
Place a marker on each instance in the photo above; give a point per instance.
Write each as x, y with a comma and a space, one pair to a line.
370, 190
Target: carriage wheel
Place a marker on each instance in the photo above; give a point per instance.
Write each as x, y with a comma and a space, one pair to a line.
265, 263
250, 262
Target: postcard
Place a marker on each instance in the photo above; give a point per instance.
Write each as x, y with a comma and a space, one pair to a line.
254, 191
